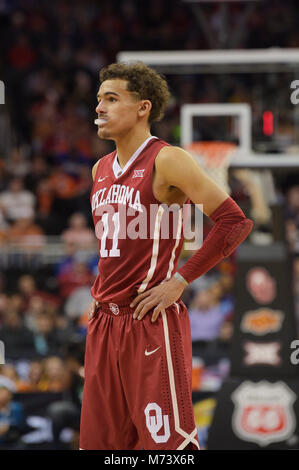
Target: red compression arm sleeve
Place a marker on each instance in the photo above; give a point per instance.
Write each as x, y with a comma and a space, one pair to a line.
230, 229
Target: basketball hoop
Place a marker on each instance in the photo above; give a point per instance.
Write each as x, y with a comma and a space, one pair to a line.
214, 158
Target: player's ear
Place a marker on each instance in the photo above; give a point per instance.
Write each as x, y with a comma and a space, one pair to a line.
144, 108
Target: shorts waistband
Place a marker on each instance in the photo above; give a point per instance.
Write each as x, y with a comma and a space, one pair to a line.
123, 308
115, 309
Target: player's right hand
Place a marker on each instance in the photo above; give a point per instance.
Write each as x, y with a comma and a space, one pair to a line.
92, 308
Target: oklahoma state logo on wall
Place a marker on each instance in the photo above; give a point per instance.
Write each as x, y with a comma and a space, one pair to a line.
263, 412
261, 285
262, 321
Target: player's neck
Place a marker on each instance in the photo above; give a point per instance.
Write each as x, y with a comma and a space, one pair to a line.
127, 146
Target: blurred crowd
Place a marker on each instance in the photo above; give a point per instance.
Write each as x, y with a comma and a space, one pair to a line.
50, 55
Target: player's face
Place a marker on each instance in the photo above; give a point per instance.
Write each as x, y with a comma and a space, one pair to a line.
117, 109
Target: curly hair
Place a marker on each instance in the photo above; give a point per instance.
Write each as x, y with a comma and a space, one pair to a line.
146, 82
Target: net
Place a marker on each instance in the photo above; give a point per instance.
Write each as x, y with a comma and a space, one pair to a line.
214, 158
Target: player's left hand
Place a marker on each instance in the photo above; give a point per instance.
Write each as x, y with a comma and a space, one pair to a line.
160, 297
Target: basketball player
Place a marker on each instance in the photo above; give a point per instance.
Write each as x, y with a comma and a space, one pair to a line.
138, 359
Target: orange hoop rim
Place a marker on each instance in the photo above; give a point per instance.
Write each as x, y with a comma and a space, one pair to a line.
214, 154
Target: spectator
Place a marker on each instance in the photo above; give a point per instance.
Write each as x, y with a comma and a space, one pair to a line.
12, 420
78, 302
292, 235
47, 337
206, 316
67, 412
10, 371
36, 306
17, 164
222, 290
77, 275
21, 55
15, 303
32, 381
78, 233
82, 200
67, 259
34, 377
3, 306
28, 290
64, 189
55, 377
17, 338
3, 226
17, 202
292, 199
45, 198
39, 170
27, 235
292, 218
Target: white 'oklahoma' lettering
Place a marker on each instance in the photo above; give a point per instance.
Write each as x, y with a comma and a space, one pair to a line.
117, 194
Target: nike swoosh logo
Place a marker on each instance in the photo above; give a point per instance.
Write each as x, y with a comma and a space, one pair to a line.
102, 179
148, 353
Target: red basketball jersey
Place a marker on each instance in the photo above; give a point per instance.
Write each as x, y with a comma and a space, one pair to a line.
140, 239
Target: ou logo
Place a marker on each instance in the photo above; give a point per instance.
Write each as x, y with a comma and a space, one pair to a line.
155, 422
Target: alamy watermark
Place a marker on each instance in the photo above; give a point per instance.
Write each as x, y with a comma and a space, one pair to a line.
295, 94
2, 353
2, 92
295, 354
157, 222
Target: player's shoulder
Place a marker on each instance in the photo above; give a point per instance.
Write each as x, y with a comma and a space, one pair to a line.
170, 154
173, 163
94, 169
101, 161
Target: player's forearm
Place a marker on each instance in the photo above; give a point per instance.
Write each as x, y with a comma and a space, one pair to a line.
230, 229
